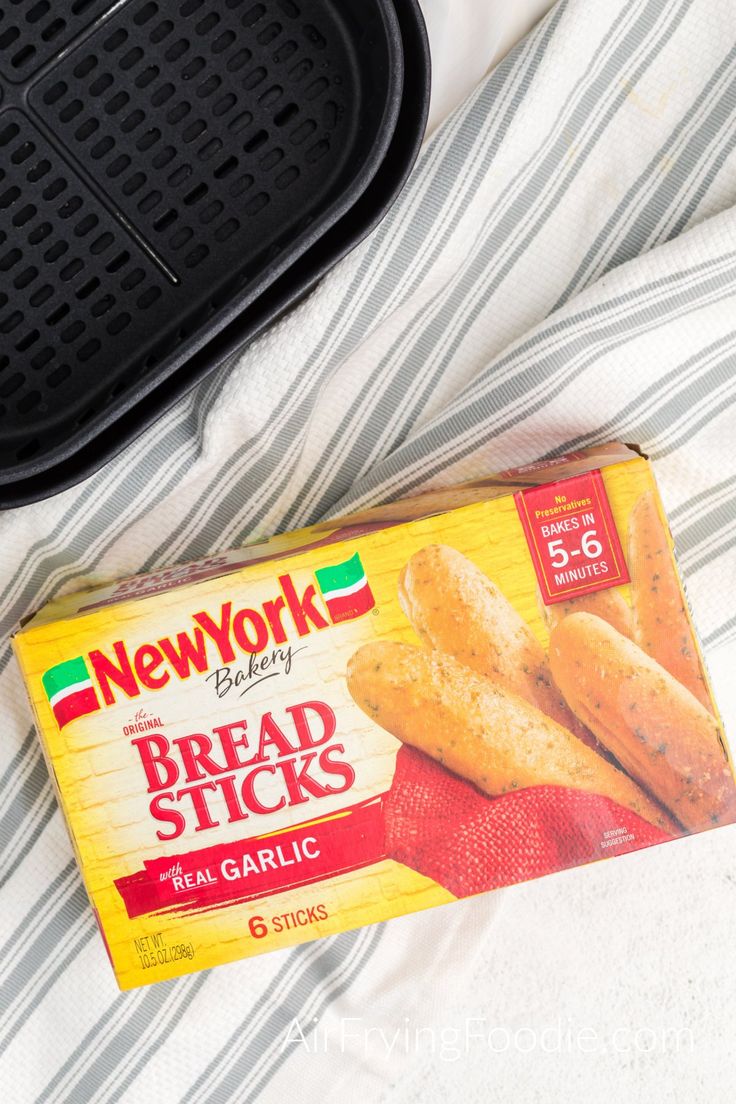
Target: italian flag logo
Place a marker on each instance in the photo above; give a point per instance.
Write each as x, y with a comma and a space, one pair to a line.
70, 691
345, 590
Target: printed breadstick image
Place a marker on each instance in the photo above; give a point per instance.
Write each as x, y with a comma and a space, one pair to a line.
608, 604
479, 730
661, 624
657, 730
456, 609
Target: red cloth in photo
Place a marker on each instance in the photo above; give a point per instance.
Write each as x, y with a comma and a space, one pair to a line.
445, 829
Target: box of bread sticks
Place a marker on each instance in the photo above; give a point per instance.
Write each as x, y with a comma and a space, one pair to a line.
424, 701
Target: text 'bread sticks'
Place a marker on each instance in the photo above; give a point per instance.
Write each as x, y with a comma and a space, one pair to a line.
484, 733
657, 729
662, 626
455, 608
608, 604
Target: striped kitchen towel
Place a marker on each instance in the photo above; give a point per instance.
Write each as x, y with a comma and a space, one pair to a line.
560, 271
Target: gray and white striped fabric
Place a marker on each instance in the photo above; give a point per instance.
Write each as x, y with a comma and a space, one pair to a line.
561, 270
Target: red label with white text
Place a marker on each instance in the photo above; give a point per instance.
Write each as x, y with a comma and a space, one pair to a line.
227, 873
572, 537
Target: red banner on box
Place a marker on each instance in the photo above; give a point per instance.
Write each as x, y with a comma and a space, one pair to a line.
258, 867
572, 537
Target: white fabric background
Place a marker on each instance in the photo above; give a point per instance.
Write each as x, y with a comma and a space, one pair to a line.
467, 38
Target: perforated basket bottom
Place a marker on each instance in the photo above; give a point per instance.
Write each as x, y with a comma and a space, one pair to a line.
154, 180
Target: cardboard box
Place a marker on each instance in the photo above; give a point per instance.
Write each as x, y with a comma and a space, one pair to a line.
376, 715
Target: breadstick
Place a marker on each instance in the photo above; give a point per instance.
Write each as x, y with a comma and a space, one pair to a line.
456, 609
657, 730
484, 733
662, 625
608, 604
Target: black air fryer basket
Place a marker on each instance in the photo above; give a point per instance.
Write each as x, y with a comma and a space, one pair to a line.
173, 175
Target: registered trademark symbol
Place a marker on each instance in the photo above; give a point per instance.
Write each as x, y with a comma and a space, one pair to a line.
376, 612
